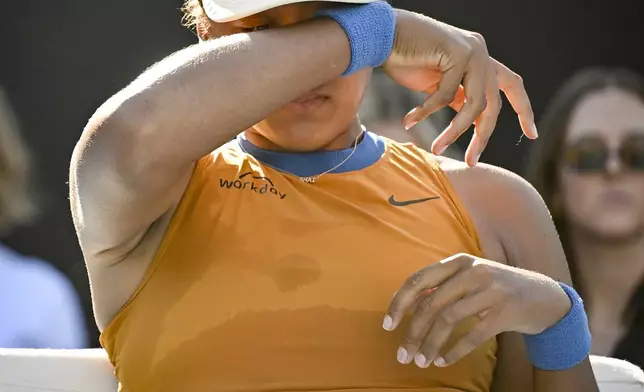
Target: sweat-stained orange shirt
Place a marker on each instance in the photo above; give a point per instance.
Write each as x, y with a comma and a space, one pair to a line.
266, 283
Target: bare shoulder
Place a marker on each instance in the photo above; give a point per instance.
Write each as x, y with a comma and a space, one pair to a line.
484, 176
512, 219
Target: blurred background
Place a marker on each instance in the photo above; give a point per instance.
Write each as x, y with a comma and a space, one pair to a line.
60, 60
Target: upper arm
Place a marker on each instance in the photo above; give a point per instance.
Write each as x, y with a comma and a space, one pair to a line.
118, 188
523, 225
514, 217
517, 222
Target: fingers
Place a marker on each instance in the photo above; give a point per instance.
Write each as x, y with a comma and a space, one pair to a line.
475, 86
444, 325
478, 335
445, 294
456, 288
486, 122
425, 279
512, 86
443, 96
499, 77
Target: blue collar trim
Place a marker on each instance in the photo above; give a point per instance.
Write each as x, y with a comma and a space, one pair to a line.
369, 150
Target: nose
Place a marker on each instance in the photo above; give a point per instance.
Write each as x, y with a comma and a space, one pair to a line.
614, 165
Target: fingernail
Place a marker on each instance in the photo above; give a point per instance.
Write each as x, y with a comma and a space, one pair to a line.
476, 159
439, 361
534, 129
388, 323
402, 355
442, 150
420, 360
410, 125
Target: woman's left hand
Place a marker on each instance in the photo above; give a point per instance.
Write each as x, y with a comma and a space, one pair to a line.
503, 298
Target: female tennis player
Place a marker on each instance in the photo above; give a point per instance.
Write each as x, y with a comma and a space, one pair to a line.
243, 232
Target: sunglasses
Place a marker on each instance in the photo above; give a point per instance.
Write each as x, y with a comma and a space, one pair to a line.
591, 155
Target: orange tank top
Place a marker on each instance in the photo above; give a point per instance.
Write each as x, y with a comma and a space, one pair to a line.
266, 283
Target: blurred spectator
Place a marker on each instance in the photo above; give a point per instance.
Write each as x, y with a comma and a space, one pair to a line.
589, 166
39, 307
386, 104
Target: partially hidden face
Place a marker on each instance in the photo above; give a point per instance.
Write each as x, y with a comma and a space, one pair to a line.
602, 178
319, 117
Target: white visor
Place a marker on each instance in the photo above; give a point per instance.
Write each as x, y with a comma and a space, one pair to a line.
222, 11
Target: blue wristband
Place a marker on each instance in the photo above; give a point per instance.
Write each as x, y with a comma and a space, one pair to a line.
565, 344
371, 29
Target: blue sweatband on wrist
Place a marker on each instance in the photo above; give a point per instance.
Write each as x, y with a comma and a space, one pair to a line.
565, 344
371, 29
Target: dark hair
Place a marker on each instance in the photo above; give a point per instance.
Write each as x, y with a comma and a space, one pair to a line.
543, 172
16, 206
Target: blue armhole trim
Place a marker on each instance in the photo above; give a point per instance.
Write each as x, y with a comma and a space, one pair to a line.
371, 29
565, 344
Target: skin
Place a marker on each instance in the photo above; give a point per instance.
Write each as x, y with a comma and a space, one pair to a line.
606, 212
130, 167
515, 230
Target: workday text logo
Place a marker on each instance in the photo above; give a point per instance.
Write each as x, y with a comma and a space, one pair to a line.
251, 183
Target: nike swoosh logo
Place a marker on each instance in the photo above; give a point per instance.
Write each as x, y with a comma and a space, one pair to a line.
396, 203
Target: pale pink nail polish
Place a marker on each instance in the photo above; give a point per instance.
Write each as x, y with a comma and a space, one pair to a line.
402, 355
388, 323
420, 360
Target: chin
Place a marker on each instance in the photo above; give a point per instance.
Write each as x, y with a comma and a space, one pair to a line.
617, 230
302, 136
307, 139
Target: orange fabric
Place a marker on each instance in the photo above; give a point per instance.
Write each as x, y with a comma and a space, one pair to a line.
278, 285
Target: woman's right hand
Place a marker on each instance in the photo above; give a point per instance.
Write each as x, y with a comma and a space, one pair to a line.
454, 68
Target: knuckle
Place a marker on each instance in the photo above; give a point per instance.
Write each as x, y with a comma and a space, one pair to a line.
415, 279
483, 273
476, 44
450, 317
466, 49
479, 105
480, 270
509, 80
473, 339
478, 37
463, 259
516, 79
447, 95
426, 304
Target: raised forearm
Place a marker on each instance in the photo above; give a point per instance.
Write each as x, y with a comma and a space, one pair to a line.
198, 98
